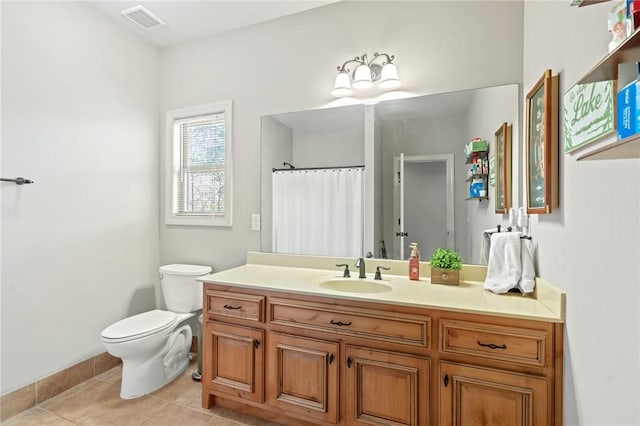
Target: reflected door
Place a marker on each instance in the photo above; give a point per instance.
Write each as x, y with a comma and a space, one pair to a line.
423, 204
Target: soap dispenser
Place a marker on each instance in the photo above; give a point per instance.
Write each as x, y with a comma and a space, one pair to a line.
414, 262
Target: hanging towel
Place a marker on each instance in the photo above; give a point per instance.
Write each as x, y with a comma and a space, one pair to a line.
527, 280
485, 245
505, 265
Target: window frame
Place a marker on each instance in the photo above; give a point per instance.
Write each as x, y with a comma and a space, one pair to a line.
172, 160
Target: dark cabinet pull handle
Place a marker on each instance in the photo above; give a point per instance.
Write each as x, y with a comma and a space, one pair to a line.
446, 380
348, 362
232, 307
331, 358
256, 343
340, 323
492, 346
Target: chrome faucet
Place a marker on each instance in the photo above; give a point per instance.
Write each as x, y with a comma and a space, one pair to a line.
360, 265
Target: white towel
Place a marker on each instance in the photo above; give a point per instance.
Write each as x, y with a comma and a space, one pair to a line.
485, 245
505, 264
527, 280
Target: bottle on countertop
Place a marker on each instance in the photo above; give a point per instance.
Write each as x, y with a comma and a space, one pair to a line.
414, 262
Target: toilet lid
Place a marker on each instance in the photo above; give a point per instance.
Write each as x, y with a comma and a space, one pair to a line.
180, 269
140, 325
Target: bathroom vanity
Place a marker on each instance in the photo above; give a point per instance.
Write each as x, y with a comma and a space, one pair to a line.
286, 338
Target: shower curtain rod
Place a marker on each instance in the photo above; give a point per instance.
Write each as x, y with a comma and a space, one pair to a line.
316, 168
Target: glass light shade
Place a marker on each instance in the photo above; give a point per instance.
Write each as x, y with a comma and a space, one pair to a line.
389, 77
362, 78
342, 86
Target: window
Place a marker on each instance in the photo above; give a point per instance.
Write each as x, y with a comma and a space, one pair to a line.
198, 181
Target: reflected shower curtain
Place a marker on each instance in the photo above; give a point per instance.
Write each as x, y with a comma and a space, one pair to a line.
318, 211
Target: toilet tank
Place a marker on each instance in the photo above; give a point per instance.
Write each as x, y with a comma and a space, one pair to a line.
181, 291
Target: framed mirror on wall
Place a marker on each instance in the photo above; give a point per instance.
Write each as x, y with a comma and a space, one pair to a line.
542, 145
502, 149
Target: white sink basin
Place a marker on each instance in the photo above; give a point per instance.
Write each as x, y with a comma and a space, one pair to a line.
355, 285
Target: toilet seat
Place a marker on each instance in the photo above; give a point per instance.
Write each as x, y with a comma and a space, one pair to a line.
139, 326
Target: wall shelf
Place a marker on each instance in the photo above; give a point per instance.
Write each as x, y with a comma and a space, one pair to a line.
481, 157
616, 150
476, 176
607, 69
589, 2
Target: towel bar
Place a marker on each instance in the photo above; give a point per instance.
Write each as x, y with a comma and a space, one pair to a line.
17, 181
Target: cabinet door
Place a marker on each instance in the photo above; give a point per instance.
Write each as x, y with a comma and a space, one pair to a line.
473, 396
234, 360
303, 376
386, 388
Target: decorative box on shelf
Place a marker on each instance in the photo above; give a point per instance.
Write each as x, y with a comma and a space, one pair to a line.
475, 145
629, 110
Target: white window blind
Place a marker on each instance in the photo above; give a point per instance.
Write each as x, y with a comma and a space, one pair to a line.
199, 165
202, 165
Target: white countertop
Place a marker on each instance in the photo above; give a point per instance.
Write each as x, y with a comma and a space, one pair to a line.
545, 304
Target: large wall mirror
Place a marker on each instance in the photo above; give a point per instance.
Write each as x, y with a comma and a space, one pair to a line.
370, 179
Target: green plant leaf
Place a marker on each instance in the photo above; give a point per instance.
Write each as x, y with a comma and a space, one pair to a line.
445, 259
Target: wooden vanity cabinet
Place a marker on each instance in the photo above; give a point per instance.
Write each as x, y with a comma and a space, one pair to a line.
309, 360
234, 360
303, 376
471, 395
499, 371
386, 388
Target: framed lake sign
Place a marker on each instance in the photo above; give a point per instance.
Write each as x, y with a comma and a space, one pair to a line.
589, 113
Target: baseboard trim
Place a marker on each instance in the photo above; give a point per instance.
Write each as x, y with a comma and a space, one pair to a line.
36, 393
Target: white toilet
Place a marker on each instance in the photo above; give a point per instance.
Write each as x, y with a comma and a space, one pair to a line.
154, 346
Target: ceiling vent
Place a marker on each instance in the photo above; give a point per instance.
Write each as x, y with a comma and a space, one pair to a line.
141, 16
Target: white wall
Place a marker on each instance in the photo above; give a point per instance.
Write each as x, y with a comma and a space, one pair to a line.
277, 139
80, 245
269, 68
426, 136
488, 109
378, 225
590, 246
329, 147
373, 189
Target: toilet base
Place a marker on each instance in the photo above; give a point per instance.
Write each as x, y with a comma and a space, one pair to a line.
137, 382
143, 376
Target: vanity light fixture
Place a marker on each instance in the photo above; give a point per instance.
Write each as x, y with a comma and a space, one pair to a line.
380, 69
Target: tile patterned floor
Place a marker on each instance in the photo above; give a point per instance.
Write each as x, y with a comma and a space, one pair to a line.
97, 402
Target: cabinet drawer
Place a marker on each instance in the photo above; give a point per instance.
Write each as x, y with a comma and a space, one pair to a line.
235, 305
393, 327
512, 344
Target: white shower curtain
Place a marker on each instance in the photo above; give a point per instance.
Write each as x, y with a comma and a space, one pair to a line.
318, 212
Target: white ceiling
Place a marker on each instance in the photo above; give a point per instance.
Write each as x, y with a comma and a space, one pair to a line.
190, 20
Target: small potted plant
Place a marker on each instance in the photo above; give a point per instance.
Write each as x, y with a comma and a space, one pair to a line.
445, 267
